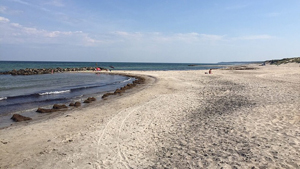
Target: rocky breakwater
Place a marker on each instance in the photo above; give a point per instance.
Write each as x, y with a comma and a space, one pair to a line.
29, 71
139, 80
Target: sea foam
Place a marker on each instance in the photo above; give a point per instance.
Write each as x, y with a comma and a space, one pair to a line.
54, 92
3, 98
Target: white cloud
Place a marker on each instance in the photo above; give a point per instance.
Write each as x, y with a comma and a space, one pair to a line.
254, 37
166, 38
32, 5
15, 33
129, 35
212, 37
21, 2
186, 37
2, 19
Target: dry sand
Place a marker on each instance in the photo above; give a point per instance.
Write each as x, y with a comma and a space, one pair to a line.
178, 119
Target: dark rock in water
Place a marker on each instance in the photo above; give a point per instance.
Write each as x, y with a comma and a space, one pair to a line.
18, 118
119, 91
89, 100
106, 95
128, 86
57, 106
76, 104
92, 98
41, 110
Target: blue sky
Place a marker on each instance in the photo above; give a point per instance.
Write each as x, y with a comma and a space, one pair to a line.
186, 31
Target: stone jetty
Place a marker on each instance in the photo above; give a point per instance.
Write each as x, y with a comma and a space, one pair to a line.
29, 71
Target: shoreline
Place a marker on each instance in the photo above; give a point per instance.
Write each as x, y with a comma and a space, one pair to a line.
51, 112
229, 119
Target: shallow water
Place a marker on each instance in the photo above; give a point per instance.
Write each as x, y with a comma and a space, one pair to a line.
25, 92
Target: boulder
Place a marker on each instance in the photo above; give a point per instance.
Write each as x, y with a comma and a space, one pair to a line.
76, 104
106, 95
89, 100
41, 110
29, 71
119, 91
57, 106
18, 118
92, 98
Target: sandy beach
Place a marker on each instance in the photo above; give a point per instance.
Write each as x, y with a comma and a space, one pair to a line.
177, 119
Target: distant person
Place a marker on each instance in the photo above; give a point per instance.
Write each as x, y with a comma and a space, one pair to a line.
209, 72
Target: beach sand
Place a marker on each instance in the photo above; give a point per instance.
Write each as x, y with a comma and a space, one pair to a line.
177, 119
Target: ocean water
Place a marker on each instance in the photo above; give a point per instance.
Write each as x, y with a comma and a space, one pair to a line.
10, 65
19, 93
24, 94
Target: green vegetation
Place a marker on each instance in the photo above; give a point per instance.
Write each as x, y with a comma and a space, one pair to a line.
284, 61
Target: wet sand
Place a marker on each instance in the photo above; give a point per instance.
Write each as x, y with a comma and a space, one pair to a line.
177, 119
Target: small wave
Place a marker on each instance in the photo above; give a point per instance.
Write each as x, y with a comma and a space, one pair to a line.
127, 80
3, 98
54, 92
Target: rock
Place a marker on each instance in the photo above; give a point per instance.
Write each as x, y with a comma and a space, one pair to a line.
119, 91
57, 106
89, 100
18, 118
77, 104
41, 110
29, 71
106, 95
92, 98
128, 86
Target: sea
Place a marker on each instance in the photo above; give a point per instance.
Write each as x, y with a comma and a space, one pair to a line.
24, 94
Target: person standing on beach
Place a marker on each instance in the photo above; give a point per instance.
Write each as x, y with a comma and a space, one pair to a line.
210, 71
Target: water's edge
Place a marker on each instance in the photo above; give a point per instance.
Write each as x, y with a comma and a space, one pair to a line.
6, 121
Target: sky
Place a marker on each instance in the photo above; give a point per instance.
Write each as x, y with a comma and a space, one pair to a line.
167, 31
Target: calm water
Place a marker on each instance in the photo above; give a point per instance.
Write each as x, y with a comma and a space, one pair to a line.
8, 65
23, 94
26, 92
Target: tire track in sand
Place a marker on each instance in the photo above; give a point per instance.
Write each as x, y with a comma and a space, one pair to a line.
113, 129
